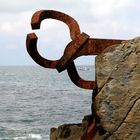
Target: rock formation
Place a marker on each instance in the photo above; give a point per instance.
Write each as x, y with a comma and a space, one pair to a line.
67, 132
75, 131
118, 101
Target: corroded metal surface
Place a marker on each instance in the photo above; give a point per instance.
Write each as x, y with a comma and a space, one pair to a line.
80, 45
83, 46
77, 80
39, 16
71, 50
31, 40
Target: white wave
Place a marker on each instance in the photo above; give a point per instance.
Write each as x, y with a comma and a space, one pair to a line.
36, 136
33, 136
19, 138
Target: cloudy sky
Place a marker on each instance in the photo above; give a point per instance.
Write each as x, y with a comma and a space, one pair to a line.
99, 18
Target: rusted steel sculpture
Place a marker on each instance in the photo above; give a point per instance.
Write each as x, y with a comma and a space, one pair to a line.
80, 45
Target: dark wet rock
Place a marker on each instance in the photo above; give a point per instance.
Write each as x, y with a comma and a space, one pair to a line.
67, 132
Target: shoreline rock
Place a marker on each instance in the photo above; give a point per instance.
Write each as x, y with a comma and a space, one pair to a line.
117, 103
67, 132
118, 79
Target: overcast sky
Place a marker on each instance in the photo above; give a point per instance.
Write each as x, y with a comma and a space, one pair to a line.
99, 18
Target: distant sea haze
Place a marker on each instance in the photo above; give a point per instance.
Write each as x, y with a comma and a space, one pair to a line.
34, 99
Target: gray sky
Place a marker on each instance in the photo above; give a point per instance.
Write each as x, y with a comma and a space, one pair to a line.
99, 18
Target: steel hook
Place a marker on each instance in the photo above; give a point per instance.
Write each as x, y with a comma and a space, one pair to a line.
31, 40
80, 45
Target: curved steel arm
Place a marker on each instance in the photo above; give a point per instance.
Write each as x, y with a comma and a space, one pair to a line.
80, 45
31, 40
31, 45
77, 80
71, 50
46, 14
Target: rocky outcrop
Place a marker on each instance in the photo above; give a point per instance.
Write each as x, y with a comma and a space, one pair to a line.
67, 132
83, 131
117, 104
118, 101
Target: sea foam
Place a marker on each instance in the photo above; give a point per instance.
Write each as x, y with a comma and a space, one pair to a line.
32, 136
36, 136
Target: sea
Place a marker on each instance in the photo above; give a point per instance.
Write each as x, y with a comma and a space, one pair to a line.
34, 99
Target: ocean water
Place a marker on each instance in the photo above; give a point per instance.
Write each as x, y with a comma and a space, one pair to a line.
34, 99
